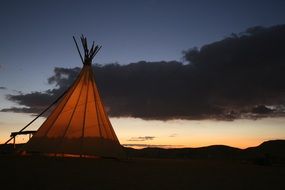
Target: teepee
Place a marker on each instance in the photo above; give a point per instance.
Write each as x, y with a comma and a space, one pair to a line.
78, 125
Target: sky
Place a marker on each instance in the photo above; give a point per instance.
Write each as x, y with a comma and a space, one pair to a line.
36, 37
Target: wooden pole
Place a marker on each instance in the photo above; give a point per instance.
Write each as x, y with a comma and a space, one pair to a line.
14, 142
78, 49
39, 115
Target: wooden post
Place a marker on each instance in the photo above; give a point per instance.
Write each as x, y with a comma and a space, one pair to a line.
14, 142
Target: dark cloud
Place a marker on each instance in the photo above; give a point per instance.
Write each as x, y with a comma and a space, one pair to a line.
23, 110
33, 100
227, 79
144, 138
2, 88
63, 77
17, 91
243, 71
261, 109
36, 102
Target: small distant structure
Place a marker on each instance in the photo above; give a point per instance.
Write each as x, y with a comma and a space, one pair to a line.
14, 134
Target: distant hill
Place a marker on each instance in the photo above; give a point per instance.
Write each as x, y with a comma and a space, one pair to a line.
269, 152
211, 152
274, 148
266, 153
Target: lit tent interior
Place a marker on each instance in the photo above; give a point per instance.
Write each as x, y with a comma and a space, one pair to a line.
79, 124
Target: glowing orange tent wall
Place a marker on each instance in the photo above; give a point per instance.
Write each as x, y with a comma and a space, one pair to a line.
79, 124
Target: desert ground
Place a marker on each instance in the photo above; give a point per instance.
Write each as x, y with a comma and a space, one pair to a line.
40, 172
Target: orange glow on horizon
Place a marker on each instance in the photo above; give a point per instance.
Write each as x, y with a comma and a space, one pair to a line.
172, 133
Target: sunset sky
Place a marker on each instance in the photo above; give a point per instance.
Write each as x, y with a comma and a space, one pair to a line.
216, 92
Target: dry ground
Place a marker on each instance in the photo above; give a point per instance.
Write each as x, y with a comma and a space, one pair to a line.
78, 173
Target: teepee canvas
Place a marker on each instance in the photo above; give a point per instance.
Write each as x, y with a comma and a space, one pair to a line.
79, 124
